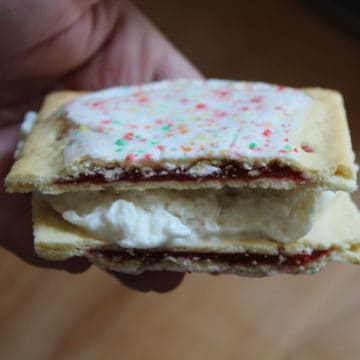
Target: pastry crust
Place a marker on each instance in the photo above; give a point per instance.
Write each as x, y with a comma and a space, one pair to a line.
329, 165
337, 228
305, 145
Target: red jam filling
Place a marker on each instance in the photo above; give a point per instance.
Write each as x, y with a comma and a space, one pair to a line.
229, 171
247, 259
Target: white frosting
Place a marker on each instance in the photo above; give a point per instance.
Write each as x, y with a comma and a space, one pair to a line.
181, 121
161, 218
25, 129
28, 122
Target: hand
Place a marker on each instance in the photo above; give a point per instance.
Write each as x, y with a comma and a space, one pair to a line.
84, 44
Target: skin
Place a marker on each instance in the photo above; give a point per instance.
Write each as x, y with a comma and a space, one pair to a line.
79, 45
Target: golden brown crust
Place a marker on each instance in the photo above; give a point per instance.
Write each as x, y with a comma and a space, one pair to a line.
331, 165
41, 158
331, 142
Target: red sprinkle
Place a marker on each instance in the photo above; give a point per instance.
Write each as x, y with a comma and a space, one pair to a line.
129, 136
307, 148
130, 157
201, 106
267, 132
147, 157
256, 99
98, 103
220, 114
222, 93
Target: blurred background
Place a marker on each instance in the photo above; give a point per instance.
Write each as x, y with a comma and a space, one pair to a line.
45, 314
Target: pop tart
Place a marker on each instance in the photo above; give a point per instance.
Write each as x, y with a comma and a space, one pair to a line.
192, 175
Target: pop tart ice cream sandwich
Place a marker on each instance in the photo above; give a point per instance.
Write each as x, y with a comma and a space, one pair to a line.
192, 175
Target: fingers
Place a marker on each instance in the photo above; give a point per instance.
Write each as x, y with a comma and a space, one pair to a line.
158, 281
74, 265
55, 38
17, 236
173, 65
128, 50
9, 137
136, 52
15, 211
167, 61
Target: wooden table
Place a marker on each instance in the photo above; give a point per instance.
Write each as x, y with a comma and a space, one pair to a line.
55, 315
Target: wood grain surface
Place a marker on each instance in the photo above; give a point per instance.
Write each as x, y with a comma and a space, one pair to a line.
46, 314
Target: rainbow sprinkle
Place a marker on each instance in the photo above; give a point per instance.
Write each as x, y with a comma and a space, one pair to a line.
184, 120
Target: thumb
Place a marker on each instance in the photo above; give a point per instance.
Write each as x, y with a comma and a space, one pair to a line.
174, 64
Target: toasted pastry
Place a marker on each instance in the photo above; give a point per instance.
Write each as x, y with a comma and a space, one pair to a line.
192, 175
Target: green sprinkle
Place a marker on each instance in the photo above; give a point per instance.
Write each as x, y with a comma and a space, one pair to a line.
141, 151
166, 128
62, 112
119, 150
137, 137
153, 142
252, 145
120, 142
117, 122
287, 147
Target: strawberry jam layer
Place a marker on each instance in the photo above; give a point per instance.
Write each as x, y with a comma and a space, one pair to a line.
245, 259
228, 171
